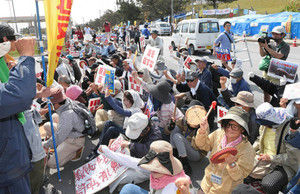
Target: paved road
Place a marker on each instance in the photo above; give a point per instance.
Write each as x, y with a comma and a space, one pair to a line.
67, 184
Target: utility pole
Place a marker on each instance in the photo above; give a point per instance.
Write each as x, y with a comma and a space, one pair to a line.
13, 6
172, 15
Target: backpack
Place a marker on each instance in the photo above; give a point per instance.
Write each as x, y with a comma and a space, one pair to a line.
88, 118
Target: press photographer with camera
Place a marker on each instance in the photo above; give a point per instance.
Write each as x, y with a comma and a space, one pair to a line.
278, 49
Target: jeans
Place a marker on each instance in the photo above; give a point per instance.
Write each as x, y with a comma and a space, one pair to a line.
183, 146
132, 189
110, 131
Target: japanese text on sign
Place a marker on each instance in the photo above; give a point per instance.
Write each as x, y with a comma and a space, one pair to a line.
150, 57
132, 84
100, 172
223, 54
221, 113
187, 62
94, 103
279, 68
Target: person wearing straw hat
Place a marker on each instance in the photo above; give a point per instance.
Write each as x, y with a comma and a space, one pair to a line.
225, 176
276, 161
164, 169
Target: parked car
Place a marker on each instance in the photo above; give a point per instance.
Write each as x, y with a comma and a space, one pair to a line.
198, 33
163, 28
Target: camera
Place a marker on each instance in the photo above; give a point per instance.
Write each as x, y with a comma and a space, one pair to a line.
264, 38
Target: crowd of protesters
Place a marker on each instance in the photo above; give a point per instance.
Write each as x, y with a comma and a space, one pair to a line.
161, 144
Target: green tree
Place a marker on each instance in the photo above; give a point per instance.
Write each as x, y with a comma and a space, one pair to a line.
129, 11
214, 3
156, 9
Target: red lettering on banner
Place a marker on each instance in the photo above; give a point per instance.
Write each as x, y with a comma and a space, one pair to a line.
63, 9
92, 167
79, 175
61, 32
81, 188
63, 18
103, 176
221, 114
107, 170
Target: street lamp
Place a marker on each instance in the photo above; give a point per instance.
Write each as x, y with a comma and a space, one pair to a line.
13, 7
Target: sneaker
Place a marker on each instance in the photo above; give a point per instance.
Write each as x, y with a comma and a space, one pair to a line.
78, 155
91, 156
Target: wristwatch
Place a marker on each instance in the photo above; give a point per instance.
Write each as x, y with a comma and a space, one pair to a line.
233, 164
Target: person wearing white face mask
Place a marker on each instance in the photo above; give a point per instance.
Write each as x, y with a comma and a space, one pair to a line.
238, 83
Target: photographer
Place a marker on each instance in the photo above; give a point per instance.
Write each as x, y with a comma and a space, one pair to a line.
280, 50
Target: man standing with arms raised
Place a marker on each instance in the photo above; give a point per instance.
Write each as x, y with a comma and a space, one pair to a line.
17, 89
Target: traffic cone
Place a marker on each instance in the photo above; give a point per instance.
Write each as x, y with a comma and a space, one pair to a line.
294, 42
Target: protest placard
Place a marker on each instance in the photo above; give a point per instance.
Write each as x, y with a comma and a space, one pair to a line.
221, 112
209, 12
292, 91
187, 62
132, 84
35, 106
38, 70
94, 103
113, 36
106, 76
279, 68
223, 54
150, 57
142, 41
100, 172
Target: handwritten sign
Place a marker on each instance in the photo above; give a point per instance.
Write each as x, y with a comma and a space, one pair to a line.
100, 172
279, 68
187, 62
292, 91
35, 106
106, 76
132, 84
223, 54
38, 70
221, 113
142, 41
94, 103
150, 57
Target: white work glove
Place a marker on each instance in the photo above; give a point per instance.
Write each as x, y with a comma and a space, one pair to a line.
283, 81
251, 74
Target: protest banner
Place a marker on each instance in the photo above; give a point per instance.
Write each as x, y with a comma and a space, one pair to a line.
100, 172
209, 12
223, 54
57, 16
106, 76
221, 112
187, 62
223, 11
132, 84
94, 103
279, 68
150, 57
292, 91
142, 41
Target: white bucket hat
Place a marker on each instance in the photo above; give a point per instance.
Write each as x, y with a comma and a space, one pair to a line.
266, 112
135, 125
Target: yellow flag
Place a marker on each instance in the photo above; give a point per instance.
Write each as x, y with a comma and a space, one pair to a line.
57, 15
134, 23
289, 24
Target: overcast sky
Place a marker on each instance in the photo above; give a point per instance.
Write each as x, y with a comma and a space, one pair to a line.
82, 10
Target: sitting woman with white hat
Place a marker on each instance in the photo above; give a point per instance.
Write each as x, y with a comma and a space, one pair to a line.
164, 169
225, 175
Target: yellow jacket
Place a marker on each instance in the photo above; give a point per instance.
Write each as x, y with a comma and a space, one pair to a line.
231, 177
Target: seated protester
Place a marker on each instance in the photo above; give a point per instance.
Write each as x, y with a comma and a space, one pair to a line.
77, 45
116, 62
197, 90
101, 50
161, 72
76, 69
133, 46
64, 68
204, 74
269, 88
64, 81
111, 48
127, 69
293, 138
164, 169
141, 133
237, 83
88, 49
131, 104
183, 141
275, 161
68, 134
225, 176
245, 100
90, 73
104, 114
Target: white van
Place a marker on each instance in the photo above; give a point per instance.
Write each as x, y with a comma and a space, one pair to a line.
163, 28
200, 34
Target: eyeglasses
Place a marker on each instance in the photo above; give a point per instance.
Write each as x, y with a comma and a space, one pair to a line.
234, 127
